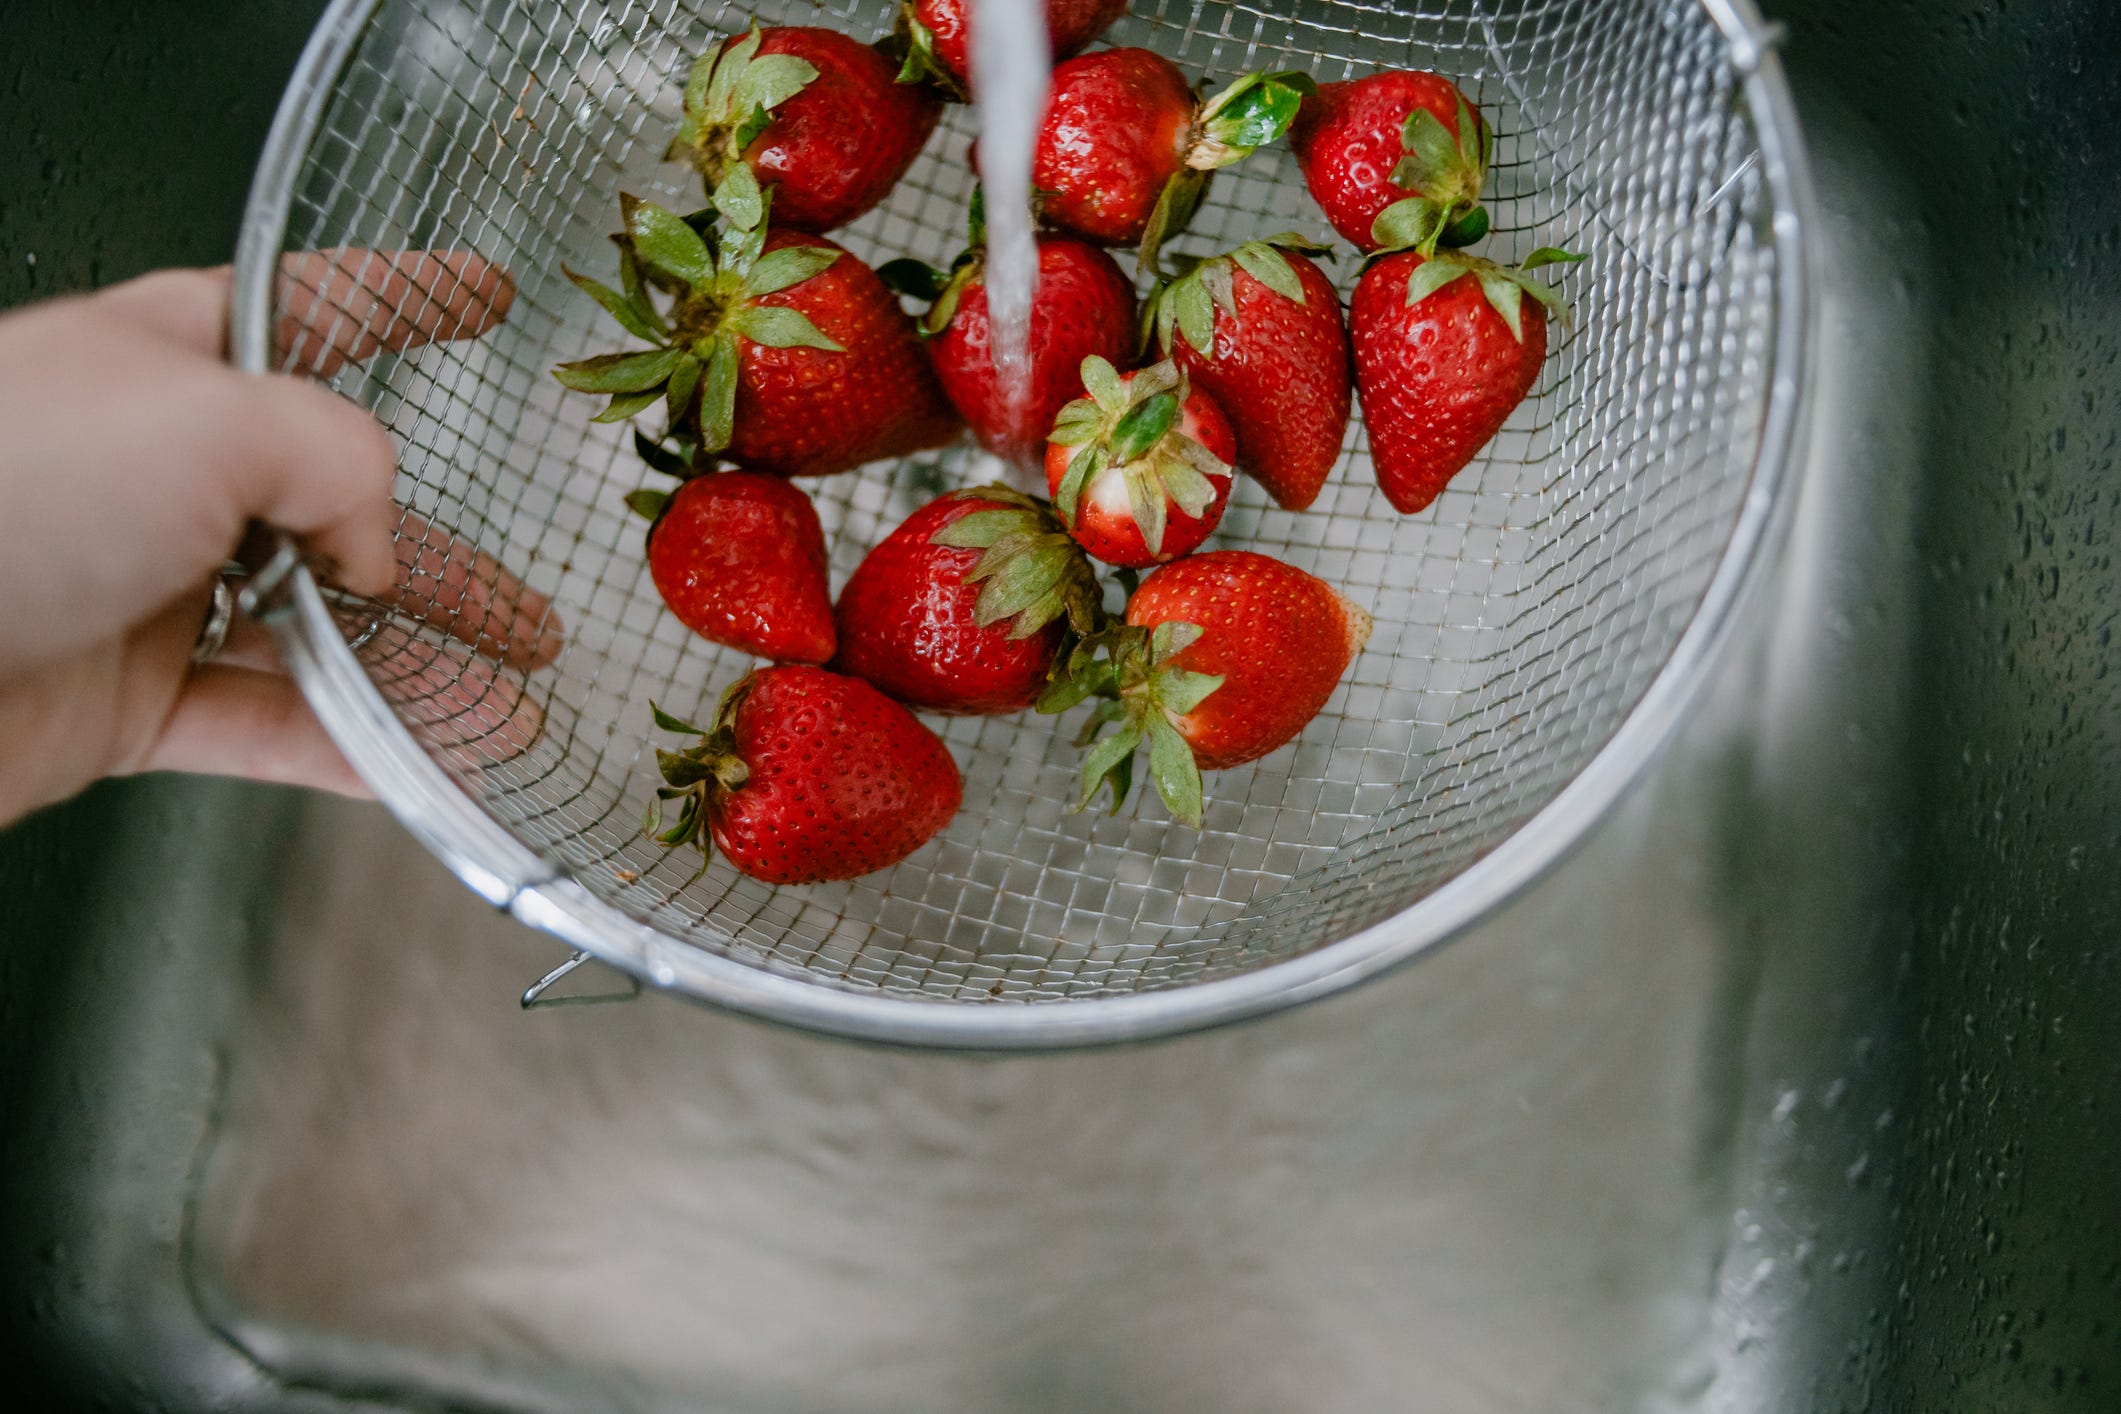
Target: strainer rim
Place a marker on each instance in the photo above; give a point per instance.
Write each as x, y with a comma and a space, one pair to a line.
475, 846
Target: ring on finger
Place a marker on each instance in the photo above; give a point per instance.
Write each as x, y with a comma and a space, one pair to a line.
220, 615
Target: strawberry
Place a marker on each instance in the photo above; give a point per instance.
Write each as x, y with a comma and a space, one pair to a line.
1396, 139
1445, 348
818, 118
1125, 150
739, 557
937, 37
781, 351
1084, 305
1139, 470
1223, 658
967, 606
806, 776
1260, 330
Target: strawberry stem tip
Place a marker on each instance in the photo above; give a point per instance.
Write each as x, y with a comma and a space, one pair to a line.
1446, 172
729, 99
1253, 111
714, 301
1141, 694
1504, 288
1031, 572
696, 775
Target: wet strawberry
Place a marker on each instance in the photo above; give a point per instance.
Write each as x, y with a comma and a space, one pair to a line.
1446, 347
1084, 306
1224, 657
966, 607
1139, 470
1125, 150
818, 118
1260, 330
805, 776
1399, 139
937, 37
780, 350
739, 557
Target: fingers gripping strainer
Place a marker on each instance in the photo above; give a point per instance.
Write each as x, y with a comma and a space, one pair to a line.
1539, 629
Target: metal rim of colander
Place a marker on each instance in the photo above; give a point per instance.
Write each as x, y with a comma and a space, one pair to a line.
511, 876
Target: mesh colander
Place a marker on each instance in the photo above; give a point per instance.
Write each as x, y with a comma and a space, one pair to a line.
1539, 629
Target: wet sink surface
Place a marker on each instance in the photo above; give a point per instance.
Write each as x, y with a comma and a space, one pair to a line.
1739, 1110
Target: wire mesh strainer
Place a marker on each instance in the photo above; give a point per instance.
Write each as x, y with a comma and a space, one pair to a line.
1538, 630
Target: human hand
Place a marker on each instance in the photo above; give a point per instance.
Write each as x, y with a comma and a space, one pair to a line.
132, 457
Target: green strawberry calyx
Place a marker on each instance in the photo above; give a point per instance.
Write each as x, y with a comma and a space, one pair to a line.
1030, 570
730, 96
943, 289
714, 303
1253, 111
1134, 429
913, 45
1142, 693
1186, 304
1445, 171
1504, 287
697, 776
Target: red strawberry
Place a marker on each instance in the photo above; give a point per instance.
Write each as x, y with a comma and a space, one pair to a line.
1446, 346
966, 607
1139, 470
818, 118
1124, 151
1260, 330
937, 35
1392, 139
739, 557
782, 352
806, 776
1084, 306
1224, 657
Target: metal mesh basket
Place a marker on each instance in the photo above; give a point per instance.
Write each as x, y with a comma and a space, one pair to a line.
1538, 629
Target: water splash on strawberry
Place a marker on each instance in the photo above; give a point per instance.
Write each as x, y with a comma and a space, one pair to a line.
1012, 64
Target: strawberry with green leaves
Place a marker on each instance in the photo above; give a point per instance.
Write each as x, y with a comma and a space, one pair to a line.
1446, 347
1083, 306
739, 557
817, 118
936, 36
805, 776
1260, 330
1125, 150
1140, 468
1399, 141
776, 349
966, 607
1223, 658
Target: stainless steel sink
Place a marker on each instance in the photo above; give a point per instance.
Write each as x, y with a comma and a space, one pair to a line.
1792, 1090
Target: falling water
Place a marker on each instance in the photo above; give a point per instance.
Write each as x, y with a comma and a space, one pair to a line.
1011, 60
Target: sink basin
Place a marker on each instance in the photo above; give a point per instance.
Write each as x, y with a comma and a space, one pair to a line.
1792, 1089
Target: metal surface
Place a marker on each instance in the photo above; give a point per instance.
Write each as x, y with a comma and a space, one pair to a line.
1837, 982
1539, 633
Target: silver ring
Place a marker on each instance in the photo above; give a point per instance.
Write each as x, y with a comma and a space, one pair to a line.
220, 616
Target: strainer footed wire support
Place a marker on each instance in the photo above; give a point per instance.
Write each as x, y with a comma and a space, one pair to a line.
1540, 629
